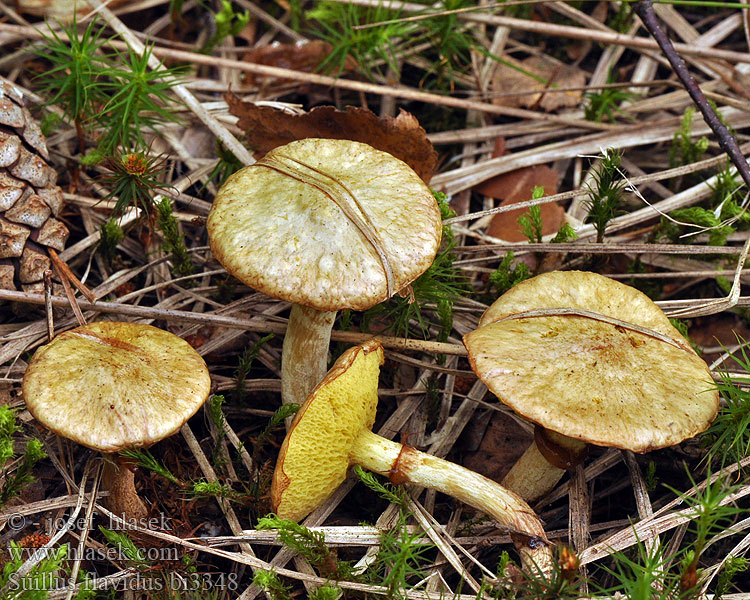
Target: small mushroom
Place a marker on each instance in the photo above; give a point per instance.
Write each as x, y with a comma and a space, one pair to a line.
326, 225
116, 386
590, 360
333, 431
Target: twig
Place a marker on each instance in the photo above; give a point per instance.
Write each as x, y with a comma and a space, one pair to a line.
48, 304
333, 82
645, 10
580, 192
64, 271
72, 300
256, 325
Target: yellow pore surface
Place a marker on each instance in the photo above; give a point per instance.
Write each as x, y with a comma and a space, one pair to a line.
314, 457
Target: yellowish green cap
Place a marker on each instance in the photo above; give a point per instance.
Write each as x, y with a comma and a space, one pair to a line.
112, 386
589, 379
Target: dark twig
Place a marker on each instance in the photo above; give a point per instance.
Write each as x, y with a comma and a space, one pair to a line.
64, 271
645, 10
48, 304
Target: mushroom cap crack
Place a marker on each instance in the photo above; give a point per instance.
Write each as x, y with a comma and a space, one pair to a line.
328, 224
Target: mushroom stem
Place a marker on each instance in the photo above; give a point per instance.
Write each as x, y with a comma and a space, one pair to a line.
404, 464
532, 475
304, 354
123, 499
543, 464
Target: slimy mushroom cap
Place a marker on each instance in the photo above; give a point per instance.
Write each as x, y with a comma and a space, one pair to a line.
328, 224
588, 379
115, 385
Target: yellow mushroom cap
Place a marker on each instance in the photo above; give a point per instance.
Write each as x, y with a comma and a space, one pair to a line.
113, 386
328, 224
314, 457
589, 379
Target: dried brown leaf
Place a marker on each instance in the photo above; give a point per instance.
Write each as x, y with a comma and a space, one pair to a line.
518, 186
267, 127
505, 225
305, 57
524, 78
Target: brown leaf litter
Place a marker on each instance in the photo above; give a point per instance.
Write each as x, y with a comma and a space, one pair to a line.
402, 136
518, 186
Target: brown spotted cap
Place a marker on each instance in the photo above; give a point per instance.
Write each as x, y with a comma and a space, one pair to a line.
113, 386
588, 379
314, 457
328, 224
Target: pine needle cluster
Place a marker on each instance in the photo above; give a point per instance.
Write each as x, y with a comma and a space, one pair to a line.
112, 97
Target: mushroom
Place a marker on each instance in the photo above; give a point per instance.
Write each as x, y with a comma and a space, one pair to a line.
333, 431
326, 225
116, 386
589, 360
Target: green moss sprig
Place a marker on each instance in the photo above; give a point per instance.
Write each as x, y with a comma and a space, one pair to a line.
531, 222
684, 150
145, 460
174, 240
244, 364
227, 23
75, 79
15, 482
605, 194
139, 100
112, 95
507, 275
271, 583
604, 105
307, 543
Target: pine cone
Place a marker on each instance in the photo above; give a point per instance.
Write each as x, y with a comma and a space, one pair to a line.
30, 200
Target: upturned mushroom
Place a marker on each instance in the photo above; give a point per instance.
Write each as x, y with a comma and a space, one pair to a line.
333, 431
326, 225
115, 386
589, 360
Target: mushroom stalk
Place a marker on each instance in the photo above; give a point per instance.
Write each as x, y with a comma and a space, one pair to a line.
304, 354
543, 464
532, 475
123, 499
404, 464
